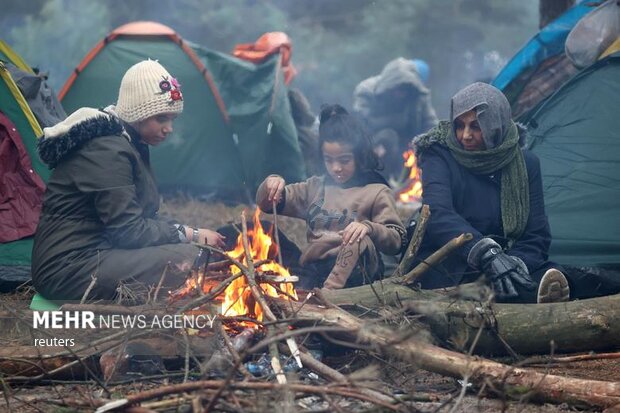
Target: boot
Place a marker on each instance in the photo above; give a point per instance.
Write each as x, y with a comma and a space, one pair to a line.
350, 256
553, 287
345, 264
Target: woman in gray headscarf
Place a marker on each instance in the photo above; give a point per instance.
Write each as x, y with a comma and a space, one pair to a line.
477, 178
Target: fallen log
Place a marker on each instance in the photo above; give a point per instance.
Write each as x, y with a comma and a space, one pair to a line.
574, 326
510, 380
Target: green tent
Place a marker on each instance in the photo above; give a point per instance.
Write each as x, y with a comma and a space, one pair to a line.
15, 256
236, 127
575, 135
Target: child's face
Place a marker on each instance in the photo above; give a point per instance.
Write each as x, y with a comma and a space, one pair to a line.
155, 130
339, 161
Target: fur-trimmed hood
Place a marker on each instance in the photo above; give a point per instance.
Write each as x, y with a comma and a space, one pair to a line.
80, 127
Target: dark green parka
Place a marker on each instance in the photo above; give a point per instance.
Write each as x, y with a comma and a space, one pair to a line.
99, 213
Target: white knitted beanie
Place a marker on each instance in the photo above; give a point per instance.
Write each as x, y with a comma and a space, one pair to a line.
147, 89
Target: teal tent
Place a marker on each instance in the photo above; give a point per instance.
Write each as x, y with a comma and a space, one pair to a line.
236, 127
575, 135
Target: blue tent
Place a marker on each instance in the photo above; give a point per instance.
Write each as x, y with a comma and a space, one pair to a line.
541, 66
547, 43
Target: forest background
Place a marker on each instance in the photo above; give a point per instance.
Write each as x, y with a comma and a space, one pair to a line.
336, 43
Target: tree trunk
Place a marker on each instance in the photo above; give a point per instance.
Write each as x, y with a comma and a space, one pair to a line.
584, 325
550, 9
509, 380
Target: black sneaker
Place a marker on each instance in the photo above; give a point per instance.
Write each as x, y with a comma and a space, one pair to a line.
553, 287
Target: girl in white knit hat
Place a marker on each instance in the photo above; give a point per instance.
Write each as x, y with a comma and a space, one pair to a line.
99, 215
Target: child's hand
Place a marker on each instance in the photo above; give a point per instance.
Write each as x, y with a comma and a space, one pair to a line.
274, 185
354, 232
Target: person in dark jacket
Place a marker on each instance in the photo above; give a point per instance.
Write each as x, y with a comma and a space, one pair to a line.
99, 216
396, 104
477, 179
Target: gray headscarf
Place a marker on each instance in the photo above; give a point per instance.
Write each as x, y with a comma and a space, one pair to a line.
502, 152
491, 107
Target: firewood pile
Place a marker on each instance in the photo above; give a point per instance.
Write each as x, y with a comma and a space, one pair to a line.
270, 353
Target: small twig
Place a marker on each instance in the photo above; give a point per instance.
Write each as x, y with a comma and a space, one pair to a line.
160, 283
275, 232
276, 279
211, 295
6, 392
197, 404
292, 333
414, 244
122, 348
465, 381
231, 348
212, 384
569, 359
254, 288
169, 403
324, 370
436, 257
186, 357
220, 265
304, 302
93, 281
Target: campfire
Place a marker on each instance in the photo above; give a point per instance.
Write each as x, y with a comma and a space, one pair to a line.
237, 299
412, 190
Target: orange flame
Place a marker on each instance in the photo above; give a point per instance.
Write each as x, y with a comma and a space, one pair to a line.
237, 298
413, 190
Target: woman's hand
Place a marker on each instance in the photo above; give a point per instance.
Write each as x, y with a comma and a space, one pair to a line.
354, 232
212, 238
206, 236
274, 184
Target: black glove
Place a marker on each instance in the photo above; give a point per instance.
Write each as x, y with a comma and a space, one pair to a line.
502, 271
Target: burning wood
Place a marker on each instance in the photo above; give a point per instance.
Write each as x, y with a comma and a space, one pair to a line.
413, 184
237, 299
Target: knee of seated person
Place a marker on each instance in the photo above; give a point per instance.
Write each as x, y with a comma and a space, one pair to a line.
366, 243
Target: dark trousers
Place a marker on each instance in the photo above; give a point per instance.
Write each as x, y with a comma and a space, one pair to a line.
136, 271
583, 282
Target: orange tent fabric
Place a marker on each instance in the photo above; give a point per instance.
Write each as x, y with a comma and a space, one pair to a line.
267, 45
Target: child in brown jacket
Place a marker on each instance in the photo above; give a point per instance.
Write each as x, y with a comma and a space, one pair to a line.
350, 210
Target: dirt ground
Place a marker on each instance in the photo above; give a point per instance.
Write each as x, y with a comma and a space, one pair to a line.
428, 392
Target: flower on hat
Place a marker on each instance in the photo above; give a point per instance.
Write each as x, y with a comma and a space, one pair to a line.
176, 95
165, 86
171, 86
